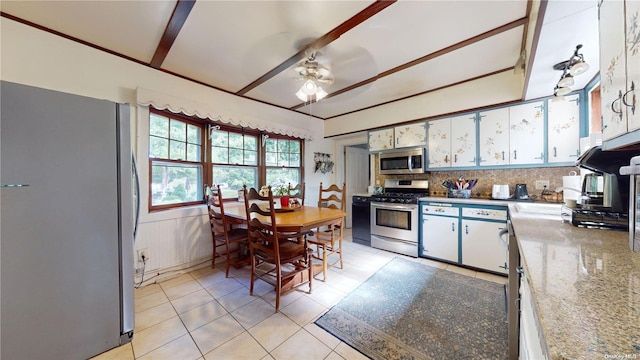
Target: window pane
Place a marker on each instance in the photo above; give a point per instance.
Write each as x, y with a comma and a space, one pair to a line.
177, 150
294, 146
158, 147
158, 125
172, 184
220, 138
251, 157
236, 156
178, 130
283, 146
236, 141
280, 176
270, 145
193, 152
220, 155
294, 160
231, 178
283, 159
271, 159
193, 134
250, 143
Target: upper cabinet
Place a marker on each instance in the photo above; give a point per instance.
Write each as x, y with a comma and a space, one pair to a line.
563, 130
512, 135
410, 135
494, 137
381, 140
526, 133
452, 142
620, 71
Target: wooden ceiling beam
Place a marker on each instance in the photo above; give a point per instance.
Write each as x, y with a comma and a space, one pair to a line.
321, 42
178, 17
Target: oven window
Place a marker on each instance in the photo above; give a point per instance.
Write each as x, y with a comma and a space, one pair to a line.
396, 219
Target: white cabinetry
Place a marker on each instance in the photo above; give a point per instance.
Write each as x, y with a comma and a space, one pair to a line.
563, 130
411, 135
620, 70
452, 142
512, 135
494, 137
381, 140
531, 347
481, 246
440, 232
526, 133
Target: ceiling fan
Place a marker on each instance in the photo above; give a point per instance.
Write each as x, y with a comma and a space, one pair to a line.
313, 73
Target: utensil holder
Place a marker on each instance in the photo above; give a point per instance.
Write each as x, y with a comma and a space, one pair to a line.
459, 194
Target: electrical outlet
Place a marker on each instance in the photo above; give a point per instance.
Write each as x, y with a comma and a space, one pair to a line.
139, 270
542, 184
141, 253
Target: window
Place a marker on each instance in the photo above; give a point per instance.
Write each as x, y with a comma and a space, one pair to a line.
234, 161
182, 158
283, 161
175, 155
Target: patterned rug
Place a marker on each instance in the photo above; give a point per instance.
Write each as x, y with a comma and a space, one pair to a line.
408, 310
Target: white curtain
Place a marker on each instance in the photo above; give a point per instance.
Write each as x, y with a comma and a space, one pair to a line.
177, 105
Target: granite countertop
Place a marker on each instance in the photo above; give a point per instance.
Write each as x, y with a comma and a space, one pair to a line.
585, 286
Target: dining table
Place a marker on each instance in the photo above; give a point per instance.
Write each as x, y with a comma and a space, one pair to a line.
295, 220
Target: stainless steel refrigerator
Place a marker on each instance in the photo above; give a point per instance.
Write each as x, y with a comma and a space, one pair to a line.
66, 224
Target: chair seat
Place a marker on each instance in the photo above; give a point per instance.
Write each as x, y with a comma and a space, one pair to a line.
289, 251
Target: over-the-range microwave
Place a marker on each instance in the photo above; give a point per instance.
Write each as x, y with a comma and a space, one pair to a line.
410, 161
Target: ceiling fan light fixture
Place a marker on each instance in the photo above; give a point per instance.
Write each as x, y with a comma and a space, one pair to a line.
566, 80
320, 94
578, 68
561, 91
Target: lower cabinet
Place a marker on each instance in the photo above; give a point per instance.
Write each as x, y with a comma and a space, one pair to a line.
531, 347
441, 239
481, 246
464, 234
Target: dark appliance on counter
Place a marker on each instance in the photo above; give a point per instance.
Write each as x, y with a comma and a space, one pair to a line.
605, 193
633, 170
521, 192
361, 220
402, 162
394, 216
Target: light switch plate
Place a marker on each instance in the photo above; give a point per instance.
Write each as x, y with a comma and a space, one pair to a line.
542, 184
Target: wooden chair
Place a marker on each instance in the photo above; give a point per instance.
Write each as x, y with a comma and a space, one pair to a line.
275, 259
235, 240
297, 192
329, 242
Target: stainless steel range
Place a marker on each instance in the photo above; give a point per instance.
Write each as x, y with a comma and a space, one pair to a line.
394, 216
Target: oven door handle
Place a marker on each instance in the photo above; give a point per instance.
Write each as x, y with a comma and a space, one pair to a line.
410, 161
394, 207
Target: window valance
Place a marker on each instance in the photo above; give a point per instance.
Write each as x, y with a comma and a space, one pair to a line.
202, 110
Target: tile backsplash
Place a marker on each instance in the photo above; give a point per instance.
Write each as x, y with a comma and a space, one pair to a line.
486, 179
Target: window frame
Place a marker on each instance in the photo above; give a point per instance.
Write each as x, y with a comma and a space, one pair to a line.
206, 162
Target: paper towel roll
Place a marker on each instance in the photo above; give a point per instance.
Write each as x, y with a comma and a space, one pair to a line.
573, 182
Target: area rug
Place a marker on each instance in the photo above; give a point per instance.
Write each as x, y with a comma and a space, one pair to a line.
409, 310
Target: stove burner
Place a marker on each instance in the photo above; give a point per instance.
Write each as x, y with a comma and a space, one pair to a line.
400, 198
597, 217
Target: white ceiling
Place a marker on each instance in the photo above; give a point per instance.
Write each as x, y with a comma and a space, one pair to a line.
407, 48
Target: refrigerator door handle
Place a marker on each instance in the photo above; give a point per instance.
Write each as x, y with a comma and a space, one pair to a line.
134, 171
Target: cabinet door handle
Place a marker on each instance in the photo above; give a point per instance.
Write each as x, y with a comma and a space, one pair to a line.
515, 154
503, 155
466, 229
455, 158
613, 104
633, 104
453, 227
555, 151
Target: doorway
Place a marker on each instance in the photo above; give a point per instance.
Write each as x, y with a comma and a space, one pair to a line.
356, 170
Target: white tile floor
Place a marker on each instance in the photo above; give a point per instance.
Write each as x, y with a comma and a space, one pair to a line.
203, 315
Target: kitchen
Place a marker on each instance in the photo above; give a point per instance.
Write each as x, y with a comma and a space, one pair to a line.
65, 62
